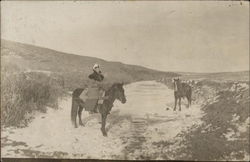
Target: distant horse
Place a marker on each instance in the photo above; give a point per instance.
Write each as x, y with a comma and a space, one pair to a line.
115, 92
181, 90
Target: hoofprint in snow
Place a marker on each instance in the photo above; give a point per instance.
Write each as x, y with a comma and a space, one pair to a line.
142, 120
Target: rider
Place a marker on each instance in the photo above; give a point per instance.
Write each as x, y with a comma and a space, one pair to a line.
97, 74
96, 78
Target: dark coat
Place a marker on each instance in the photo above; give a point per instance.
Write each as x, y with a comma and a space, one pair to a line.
96, 76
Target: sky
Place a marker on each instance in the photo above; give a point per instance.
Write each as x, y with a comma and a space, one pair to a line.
187, 36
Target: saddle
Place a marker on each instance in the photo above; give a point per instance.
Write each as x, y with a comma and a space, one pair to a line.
92, 96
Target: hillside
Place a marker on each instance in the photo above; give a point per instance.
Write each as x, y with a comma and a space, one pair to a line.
222, 76
73, 68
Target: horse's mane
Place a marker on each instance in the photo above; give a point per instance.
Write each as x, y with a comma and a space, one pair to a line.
109, 86
77, 92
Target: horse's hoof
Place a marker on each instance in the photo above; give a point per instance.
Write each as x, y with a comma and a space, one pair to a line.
83, 125
75, 126
104, 133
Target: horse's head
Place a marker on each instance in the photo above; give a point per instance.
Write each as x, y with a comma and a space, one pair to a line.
176, 82
119, 92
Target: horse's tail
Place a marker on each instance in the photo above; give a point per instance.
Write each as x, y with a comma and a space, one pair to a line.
74, 109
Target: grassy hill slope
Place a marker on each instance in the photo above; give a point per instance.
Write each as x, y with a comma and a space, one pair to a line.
73, 68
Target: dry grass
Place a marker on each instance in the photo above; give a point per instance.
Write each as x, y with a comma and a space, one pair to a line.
24, 93
220, 136
209, 141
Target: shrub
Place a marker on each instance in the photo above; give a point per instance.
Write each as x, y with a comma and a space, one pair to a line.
23, 93
208, 141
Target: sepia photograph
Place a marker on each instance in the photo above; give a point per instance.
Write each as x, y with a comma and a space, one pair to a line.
125, 80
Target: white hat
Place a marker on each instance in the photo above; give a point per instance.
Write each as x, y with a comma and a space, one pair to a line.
96, 66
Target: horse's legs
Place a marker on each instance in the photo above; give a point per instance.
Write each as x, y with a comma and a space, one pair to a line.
79, 115
188, 101
104, 117
180, 104
75, 108
189, 96
175, 103
75, 123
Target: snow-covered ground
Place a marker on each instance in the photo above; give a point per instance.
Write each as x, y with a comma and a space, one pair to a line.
147, 117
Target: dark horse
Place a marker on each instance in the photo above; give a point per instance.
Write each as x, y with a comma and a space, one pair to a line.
181, 90
115, 92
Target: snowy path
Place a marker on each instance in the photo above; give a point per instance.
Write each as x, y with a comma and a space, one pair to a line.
131, 127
